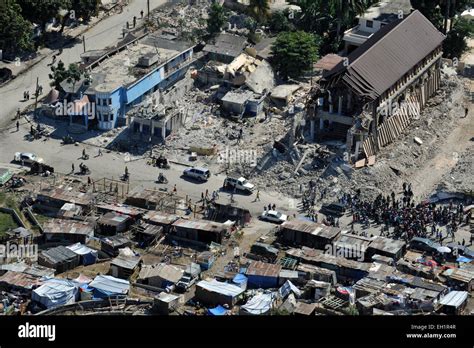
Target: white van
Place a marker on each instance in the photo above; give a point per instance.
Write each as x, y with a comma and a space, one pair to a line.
197, 173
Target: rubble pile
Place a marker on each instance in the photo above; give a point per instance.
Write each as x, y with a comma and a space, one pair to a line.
460, 179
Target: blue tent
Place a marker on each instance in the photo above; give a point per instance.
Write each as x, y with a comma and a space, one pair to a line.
219, 310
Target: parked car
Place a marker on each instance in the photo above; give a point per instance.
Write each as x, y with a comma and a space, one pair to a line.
265, 251
27, 157
424, 244
273, 216
185, 283
198, 173
240, 184
336, 209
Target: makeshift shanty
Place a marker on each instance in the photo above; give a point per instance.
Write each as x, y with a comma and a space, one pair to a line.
160, 275
260, 304
106, 286
307, 233
160, 219
87, 255
454, 302
125, 264
202, 231
56, 292
112, 223
60, 258
165, 303
60, 230
263, 275
5, 176
112, 245
287, 288
218, 293
147, 234
219, 310
461, 279
33, 270
388, 247
205, 259
22, 282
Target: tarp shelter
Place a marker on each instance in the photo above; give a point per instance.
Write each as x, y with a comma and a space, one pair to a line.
87, 255
56, 292
240, 280
462, 259
219, 310
287, 288
259, 304
106, 286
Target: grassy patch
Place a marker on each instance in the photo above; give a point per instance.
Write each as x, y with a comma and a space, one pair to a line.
6, 223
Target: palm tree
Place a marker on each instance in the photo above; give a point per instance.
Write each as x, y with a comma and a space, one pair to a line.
260, 9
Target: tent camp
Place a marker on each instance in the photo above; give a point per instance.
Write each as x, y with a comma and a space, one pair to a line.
56, 292
260, 304
218, 293
87, 255
105, 286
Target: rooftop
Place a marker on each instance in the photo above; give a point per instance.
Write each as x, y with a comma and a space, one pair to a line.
113, 219
66, 194
61, 226
313, 228
387, 10
201, 225
58, 254
161, 270
228, 44
159, 217
258, 268
115, 71
387, 244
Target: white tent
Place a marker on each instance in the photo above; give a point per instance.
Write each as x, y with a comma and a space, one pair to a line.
259, 304
56, 292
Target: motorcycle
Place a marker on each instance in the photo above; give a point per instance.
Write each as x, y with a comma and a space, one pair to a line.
68, 140
84, 169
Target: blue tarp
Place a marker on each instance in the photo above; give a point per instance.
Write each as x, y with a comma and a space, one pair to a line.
239, 279
219, 310
463, 259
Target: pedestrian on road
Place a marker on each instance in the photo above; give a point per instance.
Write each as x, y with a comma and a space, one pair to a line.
89, 181
24, 95
240, 135
18, 113
100, 152
17, 126
174, 189
466, 111
72, 168
273, 206
83, 153
257, 197
141, 14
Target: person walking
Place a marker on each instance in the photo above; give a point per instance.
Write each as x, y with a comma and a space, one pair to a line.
174, 189
257, 196
17, 126
72, 168
100, 152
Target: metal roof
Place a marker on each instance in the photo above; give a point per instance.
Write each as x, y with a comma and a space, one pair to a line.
228, 44
161, 270
66, 194
454, 298
389, 54
113, 219
110, 284
160, 217
201, 225
122, 209
220, 287
313, 228
458, 274
21, 280
115, 241
387, 244
258, 268
58, 254
127, 262
328, 62
60, 226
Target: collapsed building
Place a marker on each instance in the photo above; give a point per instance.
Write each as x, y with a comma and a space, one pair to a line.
368, 98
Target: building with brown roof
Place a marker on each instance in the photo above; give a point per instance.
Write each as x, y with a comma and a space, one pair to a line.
373, 94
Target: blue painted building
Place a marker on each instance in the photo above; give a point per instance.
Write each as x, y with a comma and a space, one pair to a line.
132, 72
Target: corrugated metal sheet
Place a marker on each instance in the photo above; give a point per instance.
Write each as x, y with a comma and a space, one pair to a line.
202, 225
258, 268
313, 228
454, 298
389, 54
21, 280
61, 226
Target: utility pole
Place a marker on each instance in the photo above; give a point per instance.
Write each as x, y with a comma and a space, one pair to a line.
36, 97
148, 7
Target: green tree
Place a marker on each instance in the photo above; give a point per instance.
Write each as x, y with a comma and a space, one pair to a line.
58, 75
259, 9
73, 74
294, 53
15, 31
216, 20
455, 43
431, 10
280, 21
41, 11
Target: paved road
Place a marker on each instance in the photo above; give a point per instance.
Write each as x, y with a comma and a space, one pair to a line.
105, 33
112, 165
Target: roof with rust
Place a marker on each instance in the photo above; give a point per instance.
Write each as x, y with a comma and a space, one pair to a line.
201, 225
159, 217
258, 268
60, 226
20, 280
66, 194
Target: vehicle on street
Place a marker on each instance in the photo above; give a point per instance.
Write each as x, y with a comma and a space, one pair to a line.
185, 283
335, 209
240, 184
424, 244
273, 216
27, 157
197, 173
